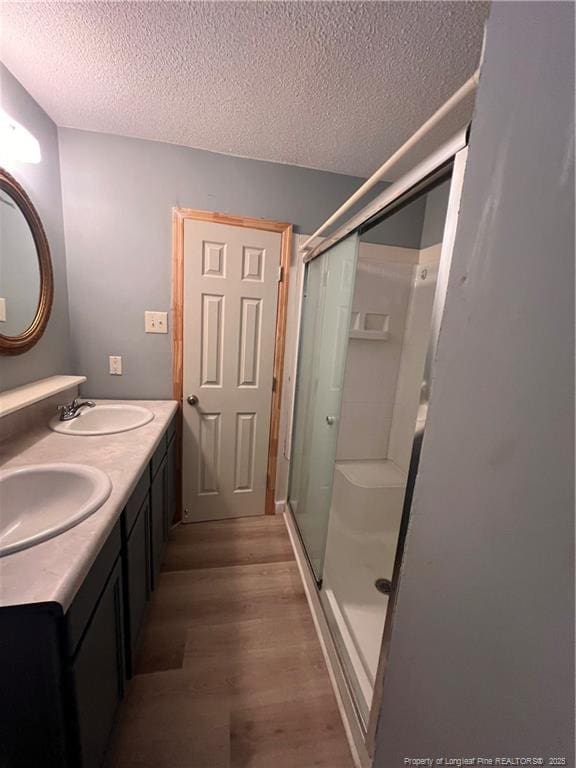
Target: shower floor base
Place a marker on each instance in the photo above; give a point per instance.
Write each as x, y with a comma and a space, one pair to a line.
360, 648
363, 526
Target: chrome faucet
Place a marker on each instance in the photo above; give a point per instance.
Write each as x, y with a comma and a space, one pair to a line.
71, 410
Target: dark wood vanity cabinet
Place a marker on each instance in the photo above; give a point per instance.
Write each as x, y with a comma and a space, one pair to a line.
98, 676
162, 499
63, 676
158, 512
147, 521
32, 706
137, 579
170, 501
94, 635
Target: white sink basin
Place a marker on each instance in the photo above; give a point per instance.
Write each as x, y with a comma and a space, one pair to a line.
104, 419
42, 500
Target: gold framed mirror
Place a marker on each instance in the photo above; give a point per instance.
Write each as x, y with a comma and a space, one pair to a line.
26, 279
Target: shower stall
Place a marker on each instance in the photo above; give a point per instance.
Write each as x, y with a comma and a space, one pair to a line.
372, 303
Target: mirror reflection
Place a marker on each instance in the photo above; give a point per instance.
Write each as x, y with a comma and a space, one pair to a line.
19, 270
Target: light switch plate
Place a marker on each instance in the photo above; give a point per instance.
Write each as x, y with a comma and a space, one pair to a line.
2, 310
115, 362
155, 322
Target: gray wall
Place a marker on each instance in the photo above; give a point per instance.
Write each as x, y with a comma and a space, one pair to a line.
42, 183
118, 196
417, 225
403, 227
482, 649
435, 215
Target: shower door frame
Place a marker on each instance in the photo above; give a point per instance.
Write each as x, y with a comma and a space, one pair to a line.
362, 738
448, 238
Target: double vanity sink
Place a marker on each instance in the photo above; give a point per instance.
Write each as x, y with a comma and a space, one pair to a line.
86, 507
41, 501
104, 419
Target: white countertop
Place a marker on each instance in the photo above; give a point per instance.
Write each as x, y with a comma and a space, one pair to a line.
54, 570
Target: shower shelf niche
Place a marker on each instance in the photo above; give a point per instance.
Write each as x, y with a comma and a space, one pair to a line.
370, 326
370, 335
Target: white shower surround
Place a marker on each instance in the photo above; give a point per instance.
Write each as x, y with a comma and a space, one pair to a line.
360, 548
368, 493
383, 281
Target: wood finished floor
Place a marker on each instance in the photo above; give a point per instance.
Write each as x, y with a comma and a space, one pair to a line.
230, 673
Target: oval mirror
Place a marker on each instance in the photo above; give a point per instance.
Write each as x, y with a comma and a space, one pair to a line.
26, 283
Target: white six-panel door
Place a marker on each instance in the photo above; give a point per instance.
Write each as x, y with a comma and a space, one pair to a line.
230, 301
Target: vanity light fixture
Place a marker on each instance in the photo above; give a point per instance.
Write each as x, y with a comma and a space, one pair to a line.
17, 143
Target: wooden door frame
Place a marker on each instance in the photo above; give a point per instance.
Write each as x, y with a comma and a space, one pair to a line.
179, 216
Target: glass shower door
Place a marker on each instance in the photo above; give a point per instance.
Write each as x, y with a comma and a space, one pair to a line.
325, 322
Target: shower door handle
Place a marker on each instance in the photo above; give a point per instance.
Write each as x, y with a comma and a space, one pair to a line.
330, 420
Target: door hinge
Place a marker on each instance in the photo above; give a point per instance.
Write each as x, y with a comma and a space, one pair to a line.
280, 274
274, 383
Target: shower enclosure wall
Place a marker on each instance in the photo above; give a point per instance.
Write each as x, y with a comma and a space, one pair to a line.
362, 387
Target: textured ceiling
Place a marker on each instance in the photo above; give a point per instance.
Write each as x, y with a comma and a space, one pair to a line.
330, 85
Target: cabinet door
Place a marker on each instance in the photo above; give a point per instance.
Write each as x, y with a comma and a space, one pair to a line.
98, 674
158, 503
170, 501
33, 722
137, 578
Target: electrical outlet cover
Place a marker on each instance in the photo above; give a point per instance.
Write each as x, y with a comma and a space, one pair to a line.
115, 365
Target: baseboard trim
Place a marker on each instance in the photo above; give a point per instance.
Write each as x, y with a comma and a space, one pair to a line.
352, 727
280, 505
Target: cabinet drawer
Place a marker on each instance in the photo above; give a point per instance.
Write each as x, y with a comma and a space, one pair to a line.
137, 499
85, 601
